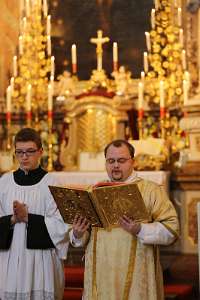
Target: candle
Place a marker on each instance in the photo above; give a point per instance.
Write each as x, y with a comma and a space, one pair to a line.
74, 59
146, 65
15, 66
27, 8
49, 25
115, 56
179, 18
153, 18
148, 41
185, 92
48, 45
184, 59
52, 83
28, 98
24, 25
142, 76
45, 8
12, 83
187, 78
140, 95
181, 37
20, 45
8, 100
52, 66
162, 94
50, 100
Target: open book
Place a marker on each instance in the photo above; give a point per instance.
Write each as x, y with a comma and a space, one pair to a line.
101, 205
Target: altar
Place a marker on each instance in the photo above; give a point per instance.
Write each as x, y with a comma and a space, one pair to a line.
64, 178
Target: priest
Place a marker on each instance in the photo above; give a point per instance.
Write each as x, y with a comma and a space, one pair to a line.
33, 235
123, 263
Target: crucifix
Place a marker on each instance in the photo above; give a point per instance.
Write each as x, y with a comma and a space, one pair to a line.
99, 41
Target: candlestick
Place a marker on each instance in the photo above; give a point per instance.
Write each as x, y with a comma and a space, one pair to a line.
115, 56
184, 59
162, 94
74, 59
52, 66
146, 65
49, 25
20, 45
8, 116
15, 66
185, 92
50, 100
179, 17
187, 78
45, 8
48, 45
181, 37
148, 41
153, 23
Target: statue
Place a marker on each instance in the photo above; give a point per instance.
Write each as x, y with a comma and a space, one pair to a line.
65, 86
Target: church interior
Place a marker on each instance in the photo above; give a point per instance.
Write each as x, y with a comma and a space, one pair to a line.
84, 73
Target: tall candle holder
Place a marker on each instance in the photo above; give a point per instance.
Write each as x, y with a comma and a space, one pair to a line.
8, 121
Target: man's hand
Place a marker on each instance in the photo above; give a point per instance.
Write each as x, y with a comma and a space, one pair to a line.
129, 225
80, 225
20, 211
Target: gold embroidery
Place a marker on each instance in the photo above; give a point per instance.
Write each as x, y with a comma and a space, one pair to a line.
131, 264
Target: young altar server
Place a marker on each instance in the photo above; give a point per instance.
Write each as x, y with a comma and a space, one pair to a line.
33, 235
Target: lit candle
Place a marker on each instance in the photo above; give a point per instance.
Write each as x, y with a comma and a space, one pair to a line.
20, 45
115, 56
24, 24
184, 59
45, 8
181, 37
28, 98
27, 8
52, 66
146, 65
140, 95
148, 41
74, 59
179, 18
48, 45
8, 100
185, 92
187, 78
162, 94
50, 100
15, 66
49, 25
153, 18
142, 76
12, 82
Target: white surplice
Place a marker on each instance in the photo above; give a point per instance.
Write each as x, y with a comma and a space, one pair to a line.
29, 274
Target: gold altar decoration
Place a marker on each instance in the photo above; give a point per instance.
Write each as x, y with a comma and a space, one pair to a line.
33, 73
165, 59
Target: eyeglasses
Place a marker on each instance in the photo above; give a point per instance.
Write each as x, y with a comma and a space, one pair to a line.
120, 160
28, 152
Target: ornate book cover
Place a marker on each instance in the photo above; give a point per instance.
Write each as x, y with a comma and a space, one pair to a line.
101, 205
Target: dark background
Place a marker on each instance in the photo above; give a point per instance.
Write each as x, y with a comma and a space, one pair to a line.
123, 21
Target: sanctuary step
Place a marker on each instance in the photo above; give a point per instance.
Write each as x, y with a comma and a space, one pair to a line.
74, 276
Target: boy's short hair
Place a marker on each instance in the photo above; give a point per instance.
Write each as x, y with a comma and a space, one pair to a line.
27, 135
